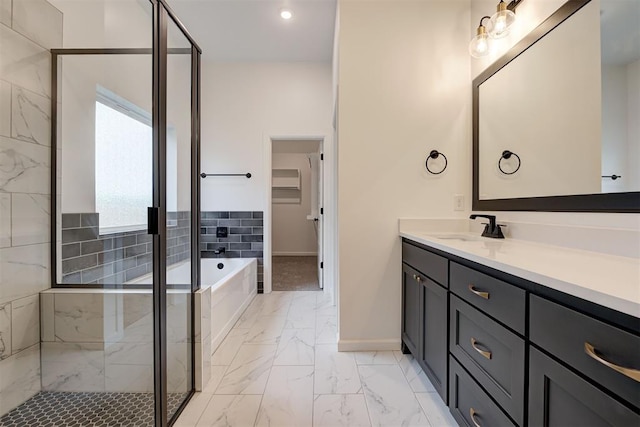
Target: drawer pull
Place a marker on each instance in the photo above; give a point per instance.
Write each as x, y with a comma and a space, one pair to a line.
472, 414
481, 294
631, 373
486, 354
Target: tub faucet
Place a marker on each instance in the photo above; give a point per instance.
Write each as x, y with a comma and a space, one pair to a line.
220, 250
491, 229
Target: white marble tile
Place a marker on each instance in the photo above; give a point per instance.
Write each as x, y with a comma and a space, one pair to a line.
250, 315
301, 319
266, 330
227, 350
24, 270
276, 306
30, 219
24, 63
203, 363
40, 21
178, 317
435, 410
5, 105
47, 333
326, 330
324, 305
230, 411
72, 366
20, 378
296, 347
128, 378
178, 367
375, 358
288, 398
303, 301
5, 330
24, 168
5, 12
5, 220
249, 371
217, 373
413, 373
390, 400
193, 411
79, 317
25, 315
30, 117
202, 314
336, 372
340, 410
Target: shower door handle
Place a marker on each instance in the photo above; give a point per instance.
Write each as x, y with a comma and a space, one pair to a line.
152, 220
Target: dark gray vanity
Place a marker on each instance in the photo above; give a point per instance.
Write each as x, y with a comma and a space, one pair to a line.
504, 351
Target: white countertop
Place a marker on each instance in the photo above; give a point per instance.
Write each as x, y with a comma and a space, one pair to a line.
608, 280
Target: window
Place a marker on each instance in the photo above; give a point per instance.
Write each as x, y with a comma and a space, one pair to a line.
124, 166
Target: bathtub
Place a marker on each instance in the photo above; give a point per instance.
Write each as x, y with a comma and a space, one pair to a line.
233, 284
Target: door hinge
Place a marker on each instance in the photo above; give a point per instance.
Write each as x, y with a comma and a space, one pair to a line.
321, 211
152, 220
321, 264
321, 156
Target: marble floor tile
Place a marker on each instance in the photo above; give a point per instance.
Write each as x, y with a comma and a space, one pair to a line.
413, 373
249, 371
194, 410
435, 409
326, 330
266, 330
277, 306
375, 358
250, 315
336, 372
230, 411
301, 320
217, 373
390, 400
288, 398
296, 347
227, 350
340, 410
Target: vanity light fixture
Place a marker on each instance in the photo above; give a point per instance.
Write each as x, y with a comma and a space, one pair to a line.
286, 14
479, 45
503, 19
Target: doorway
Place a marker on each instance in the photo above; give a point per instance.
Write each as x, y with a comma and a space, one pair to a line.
297, 214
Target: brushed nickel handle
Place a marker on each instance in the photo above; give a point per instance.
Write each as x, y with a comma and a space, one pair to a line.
419, 279
481, 294
486, 354
415, 277
472, 414
634, 374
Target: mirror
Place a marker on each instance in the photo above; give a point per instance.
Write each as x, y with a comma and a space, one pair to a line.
556, 123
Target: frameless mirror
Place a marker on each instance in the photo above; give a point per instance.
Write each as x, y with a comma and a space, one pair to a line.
558, 115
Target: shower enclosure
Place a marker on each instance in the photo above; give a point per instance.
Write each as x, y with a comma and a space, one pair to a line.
117, 327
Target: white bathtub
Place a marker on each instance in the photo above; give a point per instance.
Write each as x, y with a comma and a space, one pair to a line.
233, 287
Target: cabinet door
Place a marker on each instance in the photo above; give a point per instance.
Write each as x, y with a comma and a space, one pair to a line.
411, 310
434, 335
558, 397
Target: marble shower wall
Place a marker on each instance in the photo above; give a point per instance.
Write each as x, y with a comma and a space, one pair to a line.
28, 29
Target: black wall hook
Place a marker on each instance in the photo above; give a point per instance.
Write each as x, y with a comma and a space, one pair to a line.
506, 154
434, 154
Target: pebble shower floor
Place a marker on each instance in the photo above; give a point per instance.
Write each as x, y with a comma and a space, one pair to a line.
75, 409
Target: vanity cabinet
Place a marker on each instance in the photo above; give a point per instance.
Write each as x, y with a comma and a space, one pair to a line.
505, 351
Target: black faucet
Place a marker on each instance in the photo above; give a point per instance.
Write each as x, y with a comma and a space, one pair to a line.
492, 229
220, 250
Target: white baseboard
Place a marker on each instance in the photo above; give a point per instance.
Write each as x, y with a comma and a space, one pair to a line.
368, 345
294, 253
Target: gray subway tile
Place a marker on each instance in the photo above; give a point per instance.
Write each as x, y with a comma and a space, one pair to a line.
257, 230
72, 235
93, 274
184, 240
136, 272
89, 220
93, 246
124, 241
240, 230
110, 256
252, 223
251, 254
229, 223
240, 215
209, 223
232, 254
70, 220
133, 251
71, 250
252, 238
74, 278
144, 238
240, 246
257, 246
79, 263
124, 264
257, 214
144, 259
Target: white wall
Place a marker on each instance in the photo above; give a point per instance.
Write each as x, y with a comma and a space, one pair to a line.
293, 233
404, 89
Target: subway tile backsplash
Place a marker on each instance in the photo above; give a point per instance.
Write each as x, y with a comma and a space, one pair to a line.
116, 258
244, 238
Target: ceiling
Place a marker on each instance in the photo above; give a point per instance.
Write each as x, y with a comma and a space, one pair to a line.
252, 30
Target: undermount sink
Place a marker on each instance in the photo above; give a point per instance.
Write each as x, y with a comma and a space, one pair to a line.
462, 237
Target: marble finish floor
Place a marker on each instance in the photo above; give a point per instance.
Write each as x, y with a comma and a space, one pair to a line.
295, 273
279, 366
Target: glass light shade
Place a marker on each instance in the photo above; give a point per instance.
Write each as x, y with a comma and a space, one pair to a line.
500, 22
479, 45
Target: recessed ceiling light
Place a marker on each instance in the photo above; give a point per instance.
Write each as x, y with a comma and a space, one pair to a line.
285, 14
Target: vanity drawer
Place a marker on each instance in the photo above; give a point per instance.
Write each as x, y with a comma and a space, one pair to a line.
491, 353
428, 263
498, 299
469, 404
567, 334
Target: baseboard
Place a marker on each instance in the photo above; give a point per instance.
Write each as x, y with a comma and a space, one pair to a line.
368, 345
294, 254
